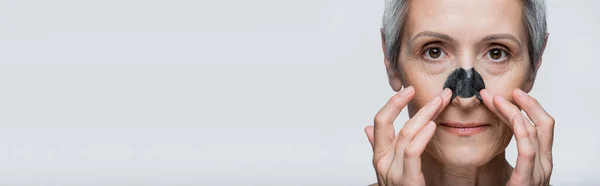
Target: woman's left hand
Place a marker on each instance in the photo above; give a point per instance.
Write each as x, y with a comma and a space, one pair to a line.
534, 141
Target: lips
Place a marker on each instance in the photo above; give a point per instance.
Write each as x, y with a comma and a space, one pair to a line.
464, 129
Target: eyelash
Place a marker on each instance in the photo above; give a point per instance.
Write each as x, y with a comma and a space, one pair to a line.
506, 55
425, 54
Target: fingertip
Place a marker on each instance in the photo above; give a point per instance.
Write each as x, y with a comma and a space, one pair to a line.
434, 103
431, 125
405, 93
408, 90
487, 99
369, 130
445, 97
498, 99
518, 93
494, 100
500, 104
484, 93
446, 93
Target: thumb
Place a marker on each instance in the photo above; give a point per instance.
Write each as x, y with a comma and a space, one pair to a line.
369, 131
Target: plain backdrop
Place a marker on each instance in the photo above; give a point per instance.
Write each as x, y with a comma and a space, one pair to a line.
264, 92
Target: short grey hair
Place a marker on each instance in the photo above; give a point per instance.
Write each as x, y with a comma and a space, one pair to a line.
396, 11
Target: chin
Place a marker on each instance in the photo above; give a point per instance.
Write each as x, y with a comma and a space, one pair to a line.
465, 156
469, 151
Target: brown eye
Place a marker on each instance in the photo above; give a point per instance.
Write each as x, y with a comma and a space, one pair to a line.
496, 54
435, 53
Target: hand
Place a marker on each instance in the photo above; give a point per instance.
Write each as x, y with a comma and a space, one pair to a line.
397, 158
534, 141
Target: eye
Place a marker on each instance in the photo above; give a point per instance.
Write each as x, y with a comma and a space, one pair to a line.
434, 54
497, 55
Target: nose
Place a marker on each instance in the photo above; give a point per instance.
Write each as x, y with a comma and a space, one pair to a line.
466, 103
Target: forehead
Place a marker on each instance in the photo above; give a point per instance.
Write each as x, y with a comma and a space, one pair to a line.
466, 19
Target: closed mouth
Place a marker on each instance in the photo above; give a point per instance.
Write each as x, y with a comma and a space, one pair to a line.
465, 125
464, 129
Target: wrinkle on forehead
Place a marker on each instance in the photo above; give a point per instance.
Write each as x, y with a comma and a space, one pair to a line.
459, 17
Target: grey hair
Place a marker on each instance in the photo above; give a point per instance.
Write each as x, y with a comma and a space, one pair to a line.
396, 11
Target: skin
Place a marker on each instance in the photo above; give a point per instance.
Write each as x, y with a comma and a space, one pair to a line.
466, 32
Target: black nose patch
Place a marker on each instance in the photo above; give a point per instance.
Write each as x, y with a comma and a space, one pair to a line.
464, 83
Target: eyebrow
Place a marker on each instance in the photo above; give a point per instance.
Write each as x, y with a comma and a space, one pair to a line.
448, 38
432, 34
501, 36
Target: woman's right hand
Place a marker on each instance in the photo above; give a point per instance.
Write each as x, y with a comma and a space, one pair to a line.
397, 158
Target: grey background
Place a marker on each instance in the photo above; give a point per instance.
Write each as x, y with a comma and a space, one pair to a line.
264, 92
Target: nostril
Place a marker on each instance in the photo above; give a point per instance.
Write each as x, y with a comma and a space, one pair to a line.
466, 103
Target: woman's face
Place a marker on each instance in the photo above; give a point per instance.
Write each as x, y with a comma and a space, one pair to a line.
440, 36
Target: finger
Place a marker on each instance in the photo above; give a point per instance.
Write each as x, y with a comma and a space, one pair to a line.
423, 116
413, 151
488, 98
369, 131
384, 119
446, 95
416, 123
509, 110
525, 146
506, 109
526, 151
541, 119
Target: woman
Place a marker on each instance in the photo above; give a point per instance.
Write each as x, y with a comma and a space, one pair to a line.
461, 140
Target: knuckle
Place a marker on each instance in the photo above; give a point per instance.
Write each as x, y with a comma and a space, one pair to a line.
410, 152
533, 133
379, 119
521, 134
549, 120
528, 153
379, 165
404, 133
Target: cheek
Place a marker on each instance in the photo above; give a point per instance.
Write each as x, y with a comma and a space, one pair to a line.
427, 81
502, 79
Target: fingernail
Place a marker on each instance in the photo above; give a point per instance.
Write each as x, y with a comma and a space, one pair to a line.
520, 93
500, 98
430, 125
447, 92
484, 92
406, 91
